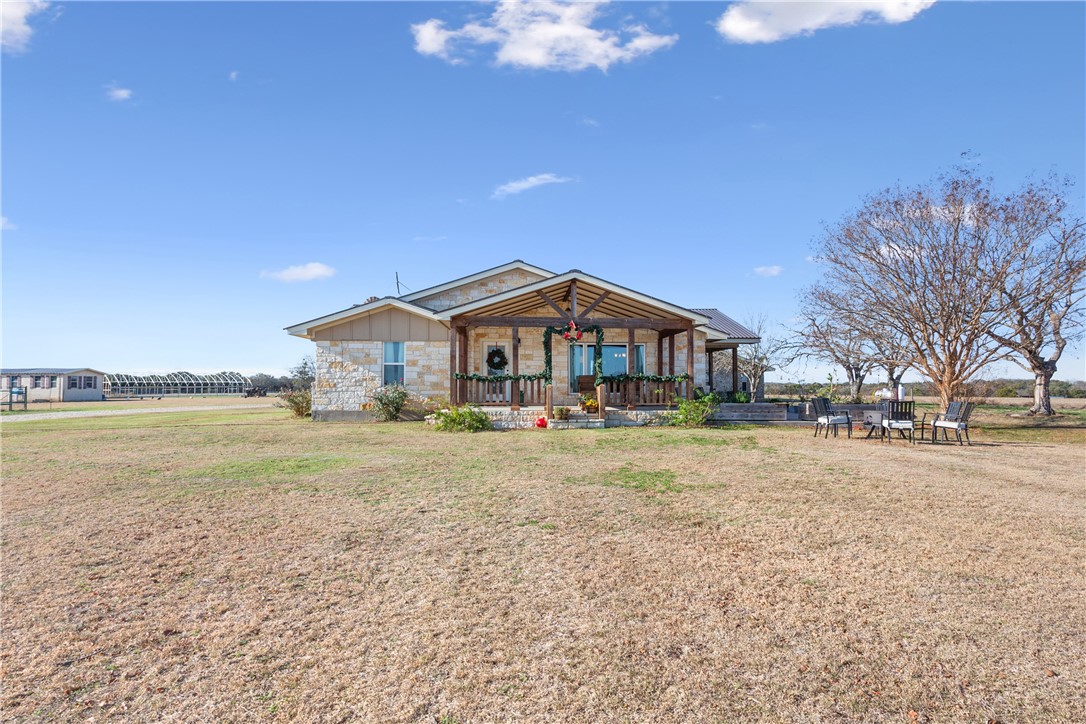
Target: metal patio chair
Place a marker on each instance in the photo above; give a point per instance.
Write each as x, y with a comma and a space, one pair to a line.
826, 416
900, 416
956, 420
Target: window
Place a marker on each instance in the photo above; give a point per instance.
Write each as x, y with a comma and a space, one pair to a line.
52, 381
90, 383
394, 363
73, 382
13, 382
582, 358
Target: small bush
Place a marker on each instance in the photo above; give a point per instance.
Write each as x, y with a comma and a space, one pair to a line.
462, 419
387, 402
299, 402
691, 413
561, 413
739, 396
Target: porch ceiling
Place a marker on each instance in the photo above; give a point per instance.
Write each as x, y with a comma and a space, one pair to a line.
614, 304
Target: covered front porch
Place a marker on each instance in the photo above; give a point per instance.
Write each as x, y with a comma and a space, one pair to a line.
626, 350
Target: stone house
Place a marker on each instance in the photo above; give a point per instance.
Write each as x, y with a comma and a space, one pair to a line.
438, 342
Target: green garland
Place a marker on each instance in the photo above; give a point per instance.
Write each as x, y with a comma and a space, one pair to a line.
646, 378
501, 378
548, 360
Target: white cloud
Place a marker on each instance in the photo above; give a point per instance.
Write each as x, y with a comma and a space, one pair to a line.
590, 122
15, 30
521, 185
116, 93
234, 75
5, 224
760, 21
768, 271
300, 273
542, 34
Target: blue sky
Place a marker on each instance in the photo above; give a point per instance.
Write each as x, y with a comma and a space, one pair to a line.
164, 163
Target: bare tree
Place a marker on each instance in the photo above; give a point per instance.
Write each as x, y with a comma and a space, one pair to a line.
891, 355
1041, 309
846, 341
926, 265
770, 353
828, 337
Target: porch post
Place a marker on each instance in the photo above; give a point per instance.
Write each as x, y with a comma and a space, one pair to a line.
660, 353
631, 386
671, 354
548, 395
462, 363
690, 361
709, 361
514, 387
735, 368
601, 397
452, 365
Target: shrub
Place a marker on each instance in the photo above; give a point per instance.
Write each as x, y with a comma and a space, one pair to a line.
691, 413
387, 402
462, 419
561, 413
739, 396
299, 402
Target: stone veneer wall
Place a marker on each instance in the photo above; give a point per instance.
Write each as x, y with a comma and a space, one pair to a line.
477, 290
349, 372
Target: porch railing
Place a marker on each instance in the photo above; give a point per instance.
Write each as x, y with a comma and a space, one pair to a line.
508, 393
626, 393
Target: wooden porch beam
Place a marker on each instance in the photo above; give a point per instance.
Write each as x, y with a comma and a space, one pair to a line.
453, 334
515, 386
589, 309
554, 305
573, 298
462, 363
660, 353
735, 369
613, 322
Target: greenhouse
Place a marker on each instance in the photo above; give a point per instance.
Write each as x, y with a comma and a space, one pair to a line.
174, 383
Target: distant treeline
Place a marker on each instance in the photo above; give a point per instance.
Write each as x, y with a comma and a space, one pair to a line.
272, 384
982, 388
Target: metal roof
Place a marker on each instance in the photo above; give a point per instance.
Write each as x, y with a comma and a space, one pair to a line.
720, 322
46, 370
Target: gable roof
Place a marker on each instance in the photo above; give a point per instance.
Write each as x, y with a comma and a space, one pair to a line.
477, 276
306, 329
504, 304
726, 327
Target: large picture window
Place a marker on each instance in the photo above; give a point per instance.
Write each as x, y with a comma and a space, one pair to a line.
582, 361
394, 363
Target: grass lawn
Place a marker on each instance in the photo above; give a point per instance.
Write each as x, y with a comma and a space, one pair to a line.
237, 565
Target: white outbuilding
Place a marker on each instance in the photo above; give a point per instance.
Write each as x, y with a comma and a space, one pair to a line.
53, 384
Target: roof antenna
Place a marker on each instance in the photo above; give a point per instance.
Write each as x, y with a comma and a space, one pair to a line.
398, 285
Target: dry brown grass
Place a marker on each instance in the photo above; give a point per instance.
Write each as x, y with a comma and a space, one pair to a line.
255, 567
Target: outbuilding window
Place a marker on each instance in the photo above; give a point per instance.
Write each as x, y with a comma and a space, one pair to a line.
394, 363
